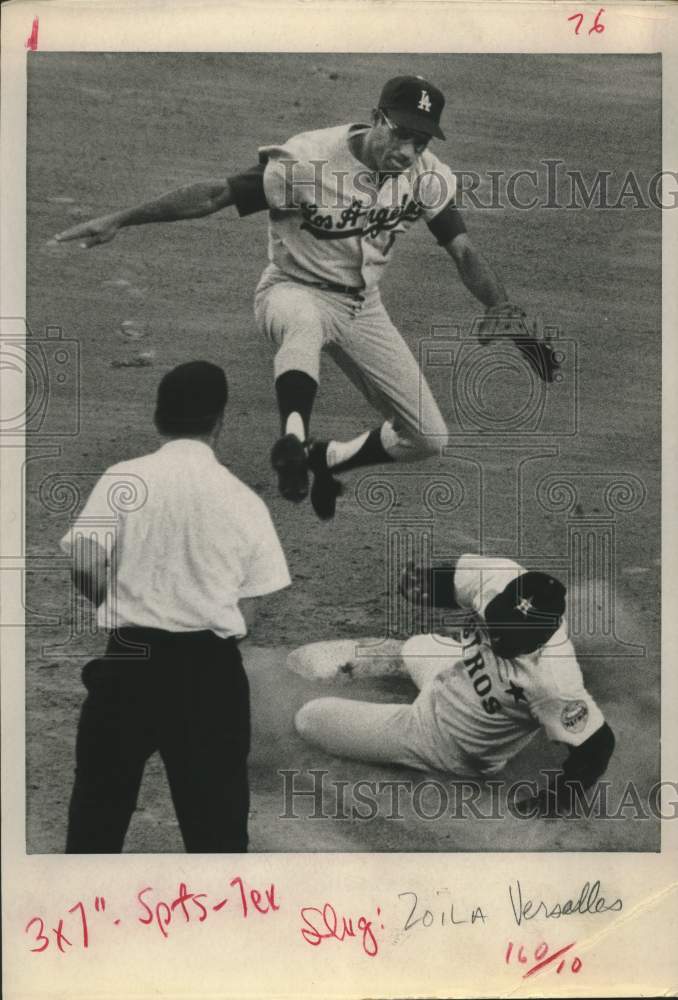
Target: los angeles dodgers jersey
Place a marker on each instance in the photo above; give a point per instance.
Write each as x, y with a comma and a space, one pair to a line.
492, 707
331, 219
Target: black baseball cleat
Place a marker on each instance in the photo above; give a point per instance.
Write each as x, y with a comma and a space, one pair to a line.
288, 458
325, 488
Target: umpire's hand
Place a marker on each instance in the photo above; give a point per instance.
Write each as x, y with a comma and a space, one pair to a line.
93, 233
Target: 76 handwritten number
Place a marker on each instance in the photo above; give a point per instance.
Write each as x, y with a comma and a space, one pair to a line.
597, 28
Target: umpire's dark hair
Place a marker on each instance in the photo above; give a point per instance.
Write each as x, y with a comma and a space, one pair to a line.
191, 399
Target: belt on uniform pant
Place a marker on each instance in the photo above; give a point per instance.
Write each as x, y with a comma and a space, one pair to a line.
330, 286
146, 634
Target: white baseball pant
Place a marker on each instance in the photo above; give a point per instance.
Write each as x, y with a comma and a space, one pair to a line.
391, 734
301, 321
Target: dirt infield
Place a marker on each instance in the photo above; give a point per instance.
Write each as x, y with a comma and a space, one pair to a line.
106, 131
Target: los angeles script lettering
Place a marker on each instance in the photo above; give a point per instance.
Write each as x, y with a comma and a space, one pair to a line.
357, 220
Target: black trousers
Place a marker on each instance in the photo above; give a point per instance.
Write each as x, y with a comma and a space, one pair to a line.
189, 700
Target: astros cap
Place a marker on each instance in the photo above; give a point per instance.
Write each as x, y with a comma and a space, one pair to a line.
414, 103
528, 611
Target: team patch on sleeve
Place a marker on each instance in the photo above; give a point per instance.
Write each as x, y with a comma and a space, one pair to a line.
574, 716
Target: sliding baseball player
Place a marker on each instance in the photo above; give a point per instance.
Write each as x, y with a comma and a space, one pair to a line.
483, 696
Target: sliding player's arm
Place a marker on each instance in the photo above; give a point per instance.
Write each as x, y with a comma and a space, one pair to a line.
571, 717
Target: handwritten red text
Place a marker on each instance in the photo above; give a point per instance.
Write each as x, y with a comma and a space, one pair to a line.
323, 923
596, 28
84, 921
189, 905
543, 957
32, 40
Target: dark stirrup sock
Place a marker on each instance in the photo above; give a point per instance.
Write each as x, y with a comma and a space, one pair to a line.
295, 391
371, 452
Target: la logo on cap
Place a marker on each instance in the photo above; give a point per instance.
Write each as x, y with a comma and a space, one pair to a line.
413, 103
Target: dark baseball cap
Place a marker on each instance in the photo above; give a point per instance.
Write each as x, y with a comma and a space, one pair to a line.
526, 614
191, 396
414, 103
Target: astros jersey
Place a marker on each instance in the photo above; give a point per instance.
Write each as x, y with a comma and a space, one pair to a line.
330, 218
492, 707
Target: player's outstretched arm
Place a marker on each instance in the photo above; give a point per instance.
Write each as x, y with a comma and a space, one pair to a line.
502, 317
475, 272
188, 202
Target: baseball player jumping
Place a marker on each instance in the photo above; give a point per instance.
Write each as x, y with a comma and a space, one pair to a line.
481, 699
337, 200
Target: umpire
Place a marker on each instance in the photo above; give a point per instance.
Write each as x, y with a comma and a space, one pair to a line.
168, 589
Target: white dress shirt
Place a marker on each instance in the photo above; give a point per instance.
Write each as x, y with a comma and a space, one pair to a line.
185, 541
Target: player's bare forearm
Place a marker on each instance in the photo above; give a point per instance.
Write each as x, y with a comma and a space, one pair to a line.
191, 201
475, 272
188, 202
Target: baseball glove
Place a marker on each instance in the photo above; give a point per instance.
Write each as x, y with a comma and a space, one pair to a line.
509, 320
